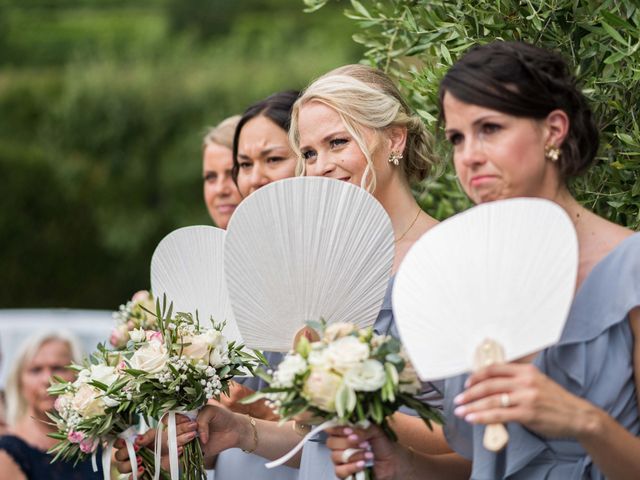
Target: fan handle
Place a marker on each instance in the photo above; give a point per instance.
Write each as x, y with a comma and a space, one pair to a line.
306, 332
490, 352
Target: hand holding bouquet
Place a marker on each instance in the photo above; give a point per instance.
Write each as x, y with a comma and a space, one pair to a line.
349, 377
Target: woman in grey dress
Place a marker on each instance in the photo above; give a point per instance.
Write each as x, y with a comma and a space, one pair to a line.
519, 127
379, 145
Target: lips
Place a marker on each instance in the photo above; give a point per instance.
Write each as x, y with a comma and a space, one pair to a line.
478, 180
225, 208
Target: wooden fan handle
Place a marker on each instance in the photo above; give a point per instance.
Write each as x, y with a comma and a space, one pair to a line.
495, 437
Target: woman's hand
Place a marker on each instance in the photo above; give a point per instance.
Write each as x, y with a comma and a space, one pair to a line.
257, 409
521, 393
389, 459
219, 429
185, 432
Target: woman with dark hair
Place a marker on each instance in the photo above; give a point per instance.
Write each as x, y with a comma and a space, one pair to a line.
519, 127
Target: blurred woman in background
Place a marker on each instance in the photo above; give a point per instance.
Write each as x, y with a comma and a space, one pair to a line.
23, 450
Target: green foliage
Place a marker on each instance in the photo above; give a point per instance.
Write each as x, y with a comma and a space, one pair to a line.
416, 41
103, 105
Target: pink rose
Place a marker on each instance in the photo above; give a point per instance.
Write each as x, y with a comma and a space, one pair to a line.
88, 445
119, 336
121, 366
154, 336
141, 296
75, 437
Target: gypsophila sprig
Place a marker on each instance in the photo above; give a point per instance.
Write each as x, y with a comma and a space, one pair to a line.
354, 377
178, 368
95, 409
135, 314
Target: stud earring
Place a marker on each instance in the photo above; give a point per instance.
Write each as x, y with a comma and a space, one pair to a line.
395, 157
551, 152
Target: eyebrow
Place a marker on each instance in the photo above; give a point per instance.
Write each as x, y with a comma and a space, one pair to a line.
475, 122
263, 153
328, 137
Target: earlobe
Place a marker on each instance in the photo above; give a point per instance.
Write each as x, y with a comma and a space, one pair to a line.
557, 127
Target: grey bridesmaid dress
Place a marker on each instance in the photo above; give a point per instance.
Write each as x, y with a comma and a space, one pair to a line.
593, 360
316, 461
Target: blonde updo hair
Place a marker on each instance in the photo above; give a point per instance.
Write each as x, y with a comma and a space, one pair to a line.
17, 406
365, 97
222, 134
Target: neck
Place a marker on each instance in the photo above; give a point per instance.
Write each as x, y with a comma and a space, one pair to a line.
33, 429
576, 212
398, 201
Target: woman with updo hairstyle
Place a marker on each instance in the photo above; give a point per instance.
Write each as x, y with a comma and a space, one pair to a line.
520, 127
351, 124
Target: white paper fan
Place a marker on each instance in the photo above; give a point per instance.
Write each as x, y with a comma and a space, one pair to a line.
503, 271
304, 248
188, 267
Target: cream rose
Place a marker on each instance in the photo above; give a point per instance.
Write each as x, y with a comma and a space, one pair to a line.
150, 358
337, 330
347, 352
218, 357
318, 356
367, 376
87, 401
291, 366
213, 337
137, 335
321, 388
103, 374
198, 348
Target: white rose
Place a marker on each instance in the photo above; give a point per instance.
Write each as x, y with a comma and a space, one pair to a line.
213, 337
104, 374
368, 376
87, 401
318, 356
84, 376
347, 352
321, 388
291, 366
150, 358
337, 330
198, 348
218, 357
137, 335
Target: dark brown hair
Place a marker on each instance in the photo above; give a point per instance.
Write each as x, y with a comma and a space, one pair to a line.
520, 79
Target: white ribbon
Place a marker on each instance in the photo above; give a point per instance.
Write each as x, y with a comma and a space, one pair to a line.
172, 442
320, 428
94, 463
129, 436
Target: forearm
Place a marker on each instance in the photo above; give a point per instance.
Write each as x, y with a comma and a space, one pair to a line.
614, 450
414, 466
272, 440
413, 432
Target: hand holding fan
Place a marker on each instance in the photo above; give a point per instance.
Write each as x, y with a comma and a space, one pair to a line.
187, 267
303, 249
492, 284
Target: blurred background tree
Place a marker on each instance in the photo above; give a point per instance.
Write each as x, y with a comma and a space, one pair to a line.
416, 41
103, 104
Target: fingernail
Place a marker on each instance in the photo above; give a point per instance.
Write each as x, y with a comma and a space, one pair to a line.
458, 399
353, 437
140, 469
139, 460
348, 431
360, 464
364, 444
136, 448
193, 424
368, 455
467, 382
459, 412
471, 417
139, 439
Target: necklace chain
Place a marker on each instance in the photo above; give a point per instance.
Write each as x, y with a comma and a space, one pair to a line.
409, 228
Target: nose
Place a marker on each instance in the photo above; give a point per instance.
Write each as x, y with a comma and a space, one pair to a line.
258, 177
324, 165
471, 153
224, 186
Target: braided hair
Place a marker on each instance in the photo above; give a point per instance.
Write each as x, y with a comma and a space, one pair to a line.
520, 79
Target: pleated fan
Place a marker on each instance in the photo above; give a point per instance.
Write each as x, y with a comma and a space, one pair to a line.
302, 249
504, 271
188, 266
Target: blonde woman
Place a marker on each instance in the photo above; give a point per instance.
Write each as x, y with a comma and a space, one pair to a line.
353, 125
23, 451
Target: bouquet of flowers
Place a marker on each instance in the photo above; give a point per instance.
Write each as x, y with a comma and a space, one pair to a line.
349, 377
177, 369
94, 410
136, 313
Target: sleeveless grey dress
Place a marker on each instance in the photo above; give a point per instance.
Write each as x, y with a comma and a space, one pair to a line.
234, 464
316, 461
593, 360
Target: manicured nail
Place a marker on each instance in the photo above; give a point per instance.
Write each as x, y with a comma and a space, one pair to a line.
136, 448
347, 431
365, 444
368, 455
467, 382
139, 460
459, 412
140, 469
458, 399
360, 464
353, 437
139, 439
471, 417
192, 435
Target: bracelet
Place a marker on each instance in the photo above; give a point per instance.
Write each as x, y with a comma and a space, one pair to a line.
252, 422
300, 428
